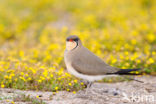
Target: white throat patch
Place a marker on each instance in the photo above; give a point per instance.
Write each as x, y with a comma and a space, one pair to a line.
70, 45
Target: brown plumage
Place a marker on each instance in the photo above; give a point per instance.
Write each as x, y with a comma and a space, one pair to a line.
84, 64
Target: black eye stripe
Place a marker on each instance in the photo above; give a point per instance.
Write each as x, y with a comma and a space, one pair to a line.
75, 39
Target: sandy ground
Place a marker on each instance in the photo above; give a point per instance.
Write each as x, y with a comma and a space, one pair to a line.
100, 93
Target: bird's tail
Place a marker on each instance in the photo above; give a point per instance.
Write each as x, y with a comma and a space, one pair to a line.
126, 71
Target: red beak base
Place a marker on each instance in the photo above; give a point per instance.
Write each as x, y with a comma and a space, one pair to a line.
71, 40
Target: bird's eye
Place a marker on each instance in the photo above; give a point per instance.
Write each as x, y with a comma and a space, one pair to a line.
75, 39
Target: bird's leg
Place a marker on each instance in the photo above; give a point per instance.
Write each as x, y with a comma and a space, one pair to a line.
133, 78
88, 86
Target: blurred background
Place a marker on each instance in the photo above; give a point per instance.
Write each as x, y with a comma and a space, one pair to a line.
33, 33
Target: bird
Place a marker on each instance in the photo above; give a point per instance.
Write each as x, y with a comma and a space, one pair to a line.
84, 64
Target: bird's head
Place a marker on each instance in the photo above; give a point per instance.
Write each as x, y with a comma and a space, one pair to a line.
73, 42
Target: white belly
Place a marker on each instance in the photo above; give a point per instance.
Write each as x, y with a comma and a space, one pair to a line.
87, 77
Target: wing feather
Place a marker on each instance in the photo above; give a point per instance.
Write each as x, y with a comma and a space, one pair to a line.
88, 63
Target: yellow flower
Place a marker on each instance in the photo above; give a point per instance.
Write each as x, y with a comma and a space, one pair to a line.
132, 58
127, 46
133, 41
26, 75
82, 83
45, 73
136, 72
110, 80
22, 73
12, 74
151, 37
56, 88
48, 77
10, 77
153, 53
151, 61
75, 81
127, 64
53, 46
29, 78
2, 85
138, 61
68, 89
60, 72
54, 93
69, 84
121, 56
37, 96
15, 79
21, 53
114, 60
123, 67
6, 77
12, 102
8, 100
59, 78
126, 53
74, 92
67, 74
134, 33
1, 69
42, 78
39, 81
51, 75
52, 68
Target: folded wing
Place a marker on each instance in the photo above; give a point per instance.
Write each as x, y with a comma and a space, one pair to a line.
88, 63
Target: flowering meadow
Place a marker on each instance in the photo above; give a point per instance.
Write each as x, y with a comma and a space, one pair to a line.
33, 36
